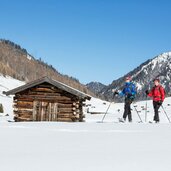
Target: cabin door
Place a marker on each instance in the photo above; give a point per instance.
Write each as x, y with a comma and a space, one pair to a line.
45, 111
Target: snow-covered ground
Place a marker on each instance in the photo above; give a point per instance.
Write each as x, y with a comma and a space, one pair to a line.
87, 146
6, 84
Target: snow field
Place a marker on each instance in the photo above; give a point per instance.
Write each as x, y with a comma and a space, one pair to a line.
85, 146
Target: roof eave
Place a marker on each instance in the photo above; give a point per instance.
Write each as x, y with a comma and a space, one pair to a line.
81, 95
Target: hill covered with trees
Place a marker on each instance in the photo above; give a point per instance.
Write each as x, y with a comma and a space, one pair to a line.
16, 62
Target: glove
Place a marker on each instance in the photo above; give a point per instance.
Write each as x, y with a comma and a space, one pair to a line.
146, 92
129, 95
115, 93
160, 102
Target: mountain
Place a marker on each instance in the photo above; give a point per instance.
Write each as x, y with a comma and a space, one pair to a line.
19, 64
95, 87
143, 75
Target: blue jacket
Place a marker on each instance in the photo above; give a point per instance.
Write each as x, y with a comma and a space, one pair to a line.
129, 90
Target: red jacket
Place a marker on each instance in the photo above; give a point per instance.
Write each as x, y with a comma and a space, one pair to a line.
158, 93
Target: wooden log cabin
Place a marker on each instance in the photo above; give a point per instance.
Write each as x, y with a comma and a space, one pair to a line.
46, 99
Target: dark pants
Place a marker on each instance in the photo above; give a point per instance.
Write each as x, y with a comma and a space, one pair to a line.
127, 109
156, 106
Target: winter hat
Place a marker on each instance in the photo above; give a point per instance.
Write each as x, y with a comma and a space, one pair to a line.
128, 78
156, 79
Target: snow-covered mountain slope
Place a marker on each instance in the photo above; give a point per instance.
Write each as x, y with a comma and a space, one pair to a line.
7, 83
143, 76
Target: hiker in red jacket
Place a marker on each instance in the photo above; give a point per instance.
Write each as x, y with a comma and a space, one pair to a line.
158, 95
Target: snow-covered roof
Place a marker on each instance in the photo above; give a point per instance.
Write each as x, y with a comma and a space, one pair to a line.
53, 82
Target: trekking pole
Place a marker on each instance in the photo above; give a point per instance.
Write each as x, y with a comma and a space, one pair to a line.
138, 113
146, 110
106, 112
166, 114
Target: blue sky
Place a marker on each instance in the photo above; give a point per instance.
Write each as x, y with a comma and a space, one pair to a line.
92, 40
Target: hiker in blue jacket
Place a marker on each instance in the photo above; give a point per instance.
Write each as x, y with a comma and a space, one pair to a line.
129, 92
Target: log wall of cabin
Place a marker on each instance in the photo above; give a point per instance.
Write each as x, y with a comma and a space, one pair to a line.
60, 105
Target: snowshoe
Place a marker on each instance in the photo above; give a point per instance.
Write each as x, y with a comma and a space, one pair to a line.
121, 120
